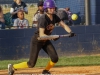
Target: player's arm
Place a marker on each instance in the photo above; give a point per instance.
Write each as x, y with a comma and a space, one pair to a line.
41, 32
62, 24
66, 27
43, 36
41, 24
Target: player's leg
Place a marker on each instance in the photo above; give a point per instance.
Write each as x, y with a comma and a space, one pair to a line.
50, 50
35, 48
12, 68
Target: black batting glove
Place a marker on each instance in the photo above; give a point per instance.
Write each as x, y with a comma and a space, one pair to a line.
72, 34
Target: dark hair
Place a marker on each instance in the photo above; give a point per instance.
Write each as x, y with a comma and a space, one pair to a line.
40, 3
19, 11
0, 8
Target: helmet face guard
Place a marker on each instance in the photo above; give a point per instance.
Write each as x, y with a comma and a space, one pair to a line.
49, 4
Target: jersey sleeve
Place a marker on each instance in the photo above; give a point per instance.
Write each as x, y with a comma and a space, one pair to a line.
57, 19
41, 22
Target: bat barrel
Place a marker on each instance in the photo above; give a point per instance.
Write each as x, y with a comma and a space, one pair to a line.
52, 37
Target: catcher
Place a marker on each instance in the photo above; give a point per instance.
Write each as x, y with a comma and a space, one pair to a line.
46, 24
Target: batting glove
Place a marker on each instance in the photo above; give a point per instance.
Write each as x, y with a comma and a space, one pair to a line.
72, 34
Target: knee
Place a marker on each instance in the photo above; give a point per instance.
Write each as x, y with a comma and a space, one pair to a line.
30, 65
55, 59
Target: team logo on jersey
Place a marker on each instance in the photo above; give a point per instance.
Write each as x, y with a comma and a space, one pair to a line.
50, 27
19, 8
21, 24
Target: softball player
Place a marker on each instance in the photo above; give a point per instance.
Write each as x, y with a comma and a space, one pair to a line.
46, 24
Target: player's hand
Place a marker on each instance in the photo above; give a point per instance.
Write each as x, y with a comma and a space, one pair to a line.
55, 39
72, 34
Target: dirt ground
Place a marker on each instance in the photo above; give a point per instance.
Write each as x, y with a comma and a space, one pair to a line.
76, 70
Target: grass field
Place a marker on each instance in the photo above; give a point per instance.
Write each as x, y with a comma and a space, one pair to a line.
63, 61
29, 16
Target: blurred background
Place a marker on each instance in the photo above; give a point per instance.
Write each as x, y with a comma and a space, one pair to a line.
76, 6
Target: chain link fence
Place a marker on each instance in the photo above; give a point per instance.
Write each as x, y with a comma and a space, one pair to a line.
77, 6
